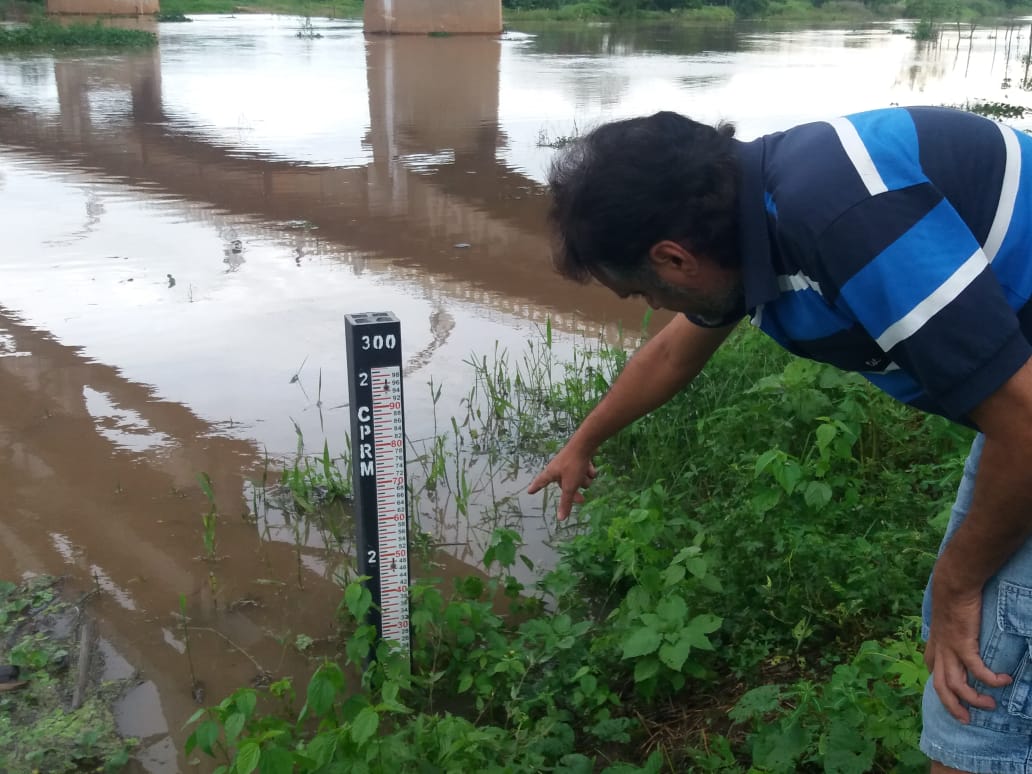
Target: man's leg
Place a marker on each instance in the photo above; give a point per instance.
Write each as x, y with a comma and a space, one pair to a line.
995, 741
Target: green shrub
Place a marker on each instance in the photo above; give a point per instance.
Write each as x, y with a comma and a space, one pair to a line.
43, 33
777, 517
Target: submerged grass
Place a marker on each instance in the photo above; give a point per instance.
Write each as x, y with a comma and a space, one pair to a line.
737, 594
43, 33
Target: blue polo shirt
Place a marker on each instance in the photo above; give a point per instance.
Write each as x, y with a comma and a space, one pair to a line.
895, 243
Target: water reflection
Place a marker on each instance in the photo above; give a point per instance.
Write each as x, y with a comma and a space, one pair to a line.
185, 229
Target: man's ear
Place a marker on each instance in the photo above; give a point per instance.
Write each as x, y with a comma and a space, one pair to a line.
673, 262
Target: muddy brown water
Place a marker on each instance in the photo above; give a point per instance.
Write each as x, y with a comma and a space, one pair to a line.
184, 230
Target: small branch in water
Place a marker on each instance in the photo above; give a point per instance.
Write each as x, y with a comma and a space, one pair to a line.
262, 672
85, 643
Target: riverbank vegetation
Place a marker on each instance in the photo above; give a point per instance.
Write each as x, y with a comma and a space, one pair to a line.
54, 710
708, 11
927, 13
738, 593
45, 33
332, 9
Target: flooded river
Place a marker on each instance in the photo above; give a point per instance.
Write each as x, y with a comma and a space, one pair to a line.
185, 229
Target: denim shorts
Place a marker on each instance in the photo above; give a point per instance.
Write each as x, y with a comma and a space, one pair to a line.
997, 741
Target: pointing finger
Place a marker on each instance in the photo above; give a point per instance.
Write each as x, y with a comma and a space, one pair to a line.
543, 479
566, 503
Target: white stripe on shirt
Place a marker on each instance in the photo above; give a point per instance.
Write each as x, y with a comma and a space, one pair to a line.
796, 282
936, 301
1008, 194
857, 152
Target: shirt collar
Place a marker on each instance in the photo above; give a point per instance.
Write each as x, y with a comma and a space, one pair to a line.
758, 276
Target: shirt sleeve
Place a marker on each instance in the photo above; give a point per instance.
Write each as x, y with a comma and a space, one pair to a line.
907, 268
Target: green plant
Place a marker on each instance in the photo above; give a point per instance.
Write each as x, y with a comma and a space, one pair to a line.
306, 31
39, 731
864, 717
772, 519
44, 33
210, 519
184, 621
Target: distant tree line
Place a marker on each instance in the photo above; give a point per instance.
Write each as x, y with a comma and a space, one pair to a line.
934, 10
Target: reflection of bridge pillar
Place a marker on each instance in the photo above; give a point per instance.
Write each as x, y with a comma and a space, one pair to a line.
437, 95
73, 98
423, 16
140, 72
145, 82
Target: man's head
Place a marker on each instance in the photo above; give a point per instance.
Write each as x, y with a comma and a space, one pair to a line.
648, 206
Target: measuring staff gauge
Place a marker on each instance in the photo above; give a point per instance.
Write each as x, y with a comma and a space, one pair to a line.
378, 463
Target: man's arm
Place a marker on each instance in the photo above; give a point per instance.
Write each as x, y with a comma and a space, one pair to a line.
997, 524
664, 365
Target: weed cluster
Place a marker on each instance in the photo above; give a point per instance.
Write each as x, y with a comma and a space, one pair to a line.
735, 594
42, 727
996, 110
306, 30
43, 33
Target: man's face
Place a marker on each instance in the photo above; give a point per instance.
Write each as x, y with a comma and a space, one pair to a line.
716, 296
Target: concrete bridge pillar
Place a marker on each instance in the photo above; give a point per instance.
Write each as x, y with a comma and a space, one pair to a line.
102, 7
421, 17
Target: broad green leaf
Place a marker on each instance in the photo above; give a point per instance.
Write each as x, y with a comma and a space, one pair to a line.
247, 758
206, 734
575, 763
764, 460
697, 566
233, 726
320, 694
817, 494
645, 669
673, 575
777, 748
641, 642
788, 475
674, 654
365, 725
765, 500
322, 749
358, 600
825, 435
684, 553
246, 701
588, 684
848, 751
672, 610
276, 760
695, 630
756, 703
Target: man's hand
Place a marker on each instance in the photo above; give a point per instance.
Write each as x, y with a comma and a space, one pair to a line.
573, 470
952, 650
